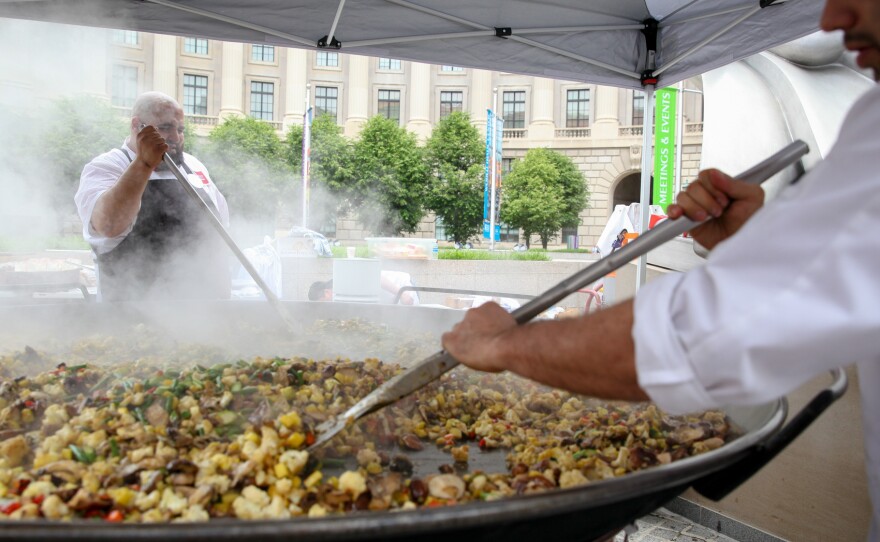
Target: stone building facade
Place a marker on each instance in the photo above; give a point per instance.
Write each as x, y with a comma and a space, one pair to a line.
599, 127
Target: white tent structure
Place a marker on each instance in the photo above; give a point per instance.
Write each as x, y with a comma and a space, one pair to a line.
626, 43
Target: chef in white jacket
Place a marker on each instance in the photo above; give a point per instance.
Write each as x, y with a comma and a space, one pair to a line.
764, 315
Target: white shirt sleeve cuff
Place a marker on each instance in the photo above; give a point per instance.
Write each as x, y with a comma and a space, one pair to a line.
664, 371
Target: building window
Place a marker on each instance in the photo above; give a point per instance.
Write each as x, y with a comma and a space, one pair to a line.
440, 230
389, 104
263, 53
507, 165
513, 109
326, 100
262, 100
508, 234
195, 46
638, 108
125, 85
389, 64
451, 69
195, 94
577, 109
569, 231
125, 37
326, 59
450, 101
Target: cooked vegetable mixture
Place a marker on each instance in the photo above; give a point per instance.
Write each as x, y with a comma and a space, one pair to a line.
145, 443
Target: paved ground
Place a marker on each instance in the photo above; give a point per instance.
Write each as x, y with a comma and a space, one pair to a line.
665, 526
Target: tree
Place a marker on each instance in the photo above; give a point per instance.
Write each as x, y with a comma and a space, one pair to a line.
391, 178
455, 153
246, 159
542, 194
78, 129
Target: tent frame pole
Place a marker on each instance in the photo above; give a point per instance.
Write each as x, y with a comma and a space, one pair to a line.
645, 196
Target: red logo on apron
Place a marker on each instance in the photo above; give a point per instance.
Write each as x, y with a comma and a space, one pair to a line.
203, 177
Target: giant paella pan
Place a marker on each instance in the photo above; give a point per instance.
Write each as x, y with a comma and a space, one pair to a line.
190, 421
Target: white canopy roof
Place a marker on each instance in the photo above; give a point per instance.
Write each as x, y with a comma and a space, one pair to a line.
599, 41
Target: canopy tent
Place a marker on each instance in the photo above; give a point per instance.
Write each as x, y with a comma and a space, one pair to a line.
606, 42
626, 43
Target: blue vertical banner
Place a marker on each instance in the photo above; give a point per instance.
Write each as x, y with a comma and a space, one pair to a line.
306, 164
493, 142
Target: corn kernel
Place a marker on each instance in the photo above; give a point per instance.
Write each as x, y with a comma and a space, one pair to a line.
313, 479
281, 470
295, 482
288, 392
296, 440
66, 453
27, 415
291, 420
221, 461
44, 459
253, 437
122, 496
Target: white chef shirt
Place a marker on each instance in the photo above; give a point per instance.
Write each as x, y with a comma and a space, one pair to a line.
794, 294
101, 174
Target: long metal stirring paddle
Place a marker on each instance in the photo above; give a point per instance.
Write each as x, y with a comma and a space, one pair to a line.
200, 203
430, 369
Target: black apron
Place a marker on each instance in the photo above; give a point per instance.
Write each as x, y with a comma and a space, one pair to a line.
172, 252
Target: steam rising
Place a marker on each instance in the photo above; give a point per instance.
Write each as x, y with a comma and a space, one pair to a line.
39, 62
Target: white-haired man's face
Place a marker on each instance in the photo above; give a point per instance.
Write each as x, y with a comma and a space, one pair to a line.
860, 22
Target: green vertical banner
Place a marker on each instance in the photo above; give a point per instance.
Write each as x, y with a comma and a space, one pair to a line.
665, 100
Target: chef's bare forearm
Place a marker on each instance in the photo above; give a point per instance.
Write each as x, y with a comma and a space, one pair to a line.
593, 355
117, 208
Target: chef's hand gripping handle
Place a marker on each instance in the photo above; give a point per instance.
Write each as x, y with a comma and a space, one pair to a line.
721, 483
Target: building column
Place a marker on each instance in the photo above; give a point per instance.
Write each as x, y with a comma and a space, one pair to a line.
93, 44
165, 65
232, 80
358, 94
295, 91
542, 126
419, 100
481, 98
607, 106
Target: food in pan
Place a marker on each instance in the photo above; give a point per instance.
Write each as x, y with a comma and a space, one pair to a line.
147, 443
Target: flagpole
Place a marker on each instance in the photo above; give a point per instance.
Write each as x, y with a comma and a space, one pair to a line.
306, 151
493, 166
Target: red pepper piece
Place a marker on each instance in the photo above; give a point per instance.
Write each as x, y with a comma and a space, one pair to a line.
10, 508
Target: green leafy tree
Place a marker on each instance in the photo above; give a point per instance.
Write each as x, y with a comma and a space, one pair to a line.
455, 153
391, 178
543, 193
78, 129
246, 159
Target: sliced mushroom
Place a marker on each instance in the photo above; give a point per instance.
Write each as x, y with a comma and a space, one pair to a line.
446, 486
241, 471
182, 466
67, 470
202, 495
